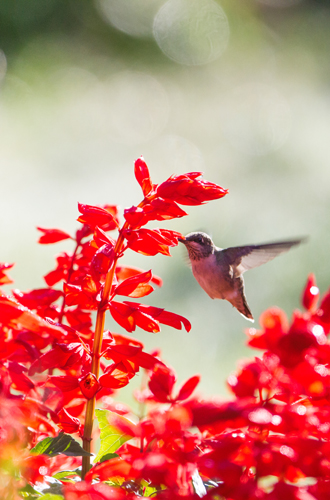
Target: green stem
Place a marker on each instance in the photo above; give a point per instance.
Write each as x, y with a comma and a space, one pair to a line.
97, 344
98, 337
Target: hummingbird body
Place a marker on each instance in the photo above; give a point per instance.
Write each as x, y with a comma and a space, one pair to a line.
219, 271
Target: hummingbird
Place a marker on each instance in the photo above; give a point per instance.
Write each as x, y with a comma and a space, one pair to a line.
219, 271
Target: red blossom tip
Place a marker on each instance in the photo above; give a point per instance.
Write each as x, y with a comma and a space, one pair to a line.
187, 189
310, 294
142, 175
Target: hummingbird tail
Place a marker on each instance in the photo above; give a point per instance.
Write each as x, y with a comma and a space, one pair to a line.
239, 301
245, 311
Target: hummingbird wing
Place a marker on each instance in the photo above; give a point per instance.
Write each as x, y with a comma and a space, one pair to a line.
241, 259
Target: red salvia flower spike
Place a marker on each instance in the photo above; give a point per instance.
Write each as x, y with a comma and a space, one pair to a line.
89, 385
142, 175
52, 235
311, 294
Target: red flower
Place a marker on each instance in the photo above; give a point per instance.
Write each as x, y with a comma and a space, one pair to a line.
89, 385
38, 298
62, 356
162, 382
135, 286
66, 422
122, 273
93, 216
4, 279
18, 317
142, 175
131, 314
52, 235
155, 209
117, 375
310, 294
152, 241
85, 296
64, 383
103, 259
187, 189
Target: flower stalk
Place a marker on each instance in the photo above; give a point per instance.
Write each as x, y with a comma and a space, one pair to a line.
97, 344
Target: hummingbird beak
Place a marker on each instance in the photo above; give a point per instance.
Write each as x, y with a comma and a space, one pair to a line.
182, 240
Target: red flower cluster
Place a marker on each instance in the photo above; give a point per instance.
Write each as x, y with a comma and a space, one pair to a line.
53, 362
271, 441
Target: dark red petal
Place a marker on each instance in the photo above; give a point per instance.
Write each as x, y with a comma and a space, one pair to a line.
52, 235
19, 379
38, 297
165, 317
100, 238
324, 310
96, 216
66, 422
125, 272
123, 315
188, 388
311, 294
146, 322
89, 385
136, 286
187, 189
142, 175
65, 383
4, 278
116, 376
161, 383
17, 316
103, 259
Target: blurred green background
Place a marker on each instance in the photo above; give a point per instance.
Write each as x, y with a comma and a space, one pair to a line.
239, 90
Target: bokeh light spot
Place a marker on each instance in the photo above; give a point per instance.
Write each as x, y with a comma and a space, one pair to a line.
43, 470
134, 17
191, 32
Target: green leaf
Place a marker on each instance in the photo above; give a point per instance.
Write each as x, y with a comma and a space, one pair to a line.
64, 475
28, 492
108, 456
63, 443
111, 437
50, 496
148, 490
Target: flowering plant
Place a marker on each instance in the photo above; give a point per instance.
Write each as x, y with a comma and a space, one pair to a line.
271, 440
